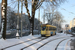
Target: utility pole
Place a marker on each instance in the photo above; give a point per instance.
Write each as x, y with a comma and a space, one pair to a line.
49, 18
3, 15
21, 15
39, 20
17, 34
44, 17
52, 14
39, 15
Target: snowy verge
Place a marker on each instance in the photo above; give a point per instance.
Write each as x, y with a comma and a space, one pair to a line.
9, 42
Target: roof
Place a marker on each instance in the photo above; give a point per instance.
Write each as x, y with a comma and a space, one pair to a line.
47, 25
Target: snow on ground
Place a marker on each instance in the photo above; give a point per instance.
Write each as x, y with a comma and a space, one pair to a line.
63, 45
18, 47
34, 47
68, 47
9, 42
52, 45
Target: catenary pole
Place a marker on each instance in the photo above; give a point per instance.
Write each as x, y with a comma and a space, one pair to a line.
39, 15
44, 17
21, 15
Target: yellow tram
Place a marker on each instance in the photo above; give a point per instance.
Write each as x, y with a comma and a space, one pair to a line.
48, 30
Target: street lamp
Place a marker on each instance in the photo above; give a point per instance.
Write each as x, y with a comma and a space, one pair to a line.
17, 34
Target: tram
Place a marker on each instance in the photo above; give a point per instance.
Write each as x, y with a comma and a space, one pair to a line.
48, 30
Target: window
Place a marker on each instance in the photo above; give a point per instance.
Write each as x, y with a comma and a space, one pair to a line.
47, 29
54, 28
50, 28
43, 28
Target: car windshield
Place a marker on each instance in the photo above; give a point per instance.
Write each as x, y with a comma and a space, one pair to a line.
43, 28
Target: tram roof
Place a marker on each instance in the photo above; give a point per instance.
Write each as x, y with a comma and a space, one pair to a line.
47, 25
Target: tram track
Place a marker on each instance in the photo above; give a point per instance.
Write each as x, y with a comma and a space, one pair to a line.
48, 42
41, 39
61, 42
20, 43
67, 44
33, 43
42, 44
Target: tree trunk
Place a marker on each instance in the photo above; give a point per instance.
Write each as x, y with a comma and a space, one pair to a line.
32, 23
4, 21
32, 19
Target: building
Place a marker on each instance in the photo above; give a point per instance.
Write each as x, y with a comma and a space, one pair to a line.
72, 23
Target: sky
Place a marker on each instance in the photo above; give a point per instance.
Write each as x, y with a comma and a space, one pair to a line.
67, 9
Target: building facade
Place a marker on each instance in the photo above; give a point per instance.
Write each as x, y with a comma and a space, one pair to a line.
72, 23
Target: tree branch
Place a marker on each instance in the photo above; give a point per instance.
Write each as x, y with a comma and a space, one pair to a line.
26, 5
38, 5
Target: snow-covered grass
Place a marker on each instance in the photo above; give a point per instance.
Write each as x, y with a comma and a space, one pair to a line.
9, 42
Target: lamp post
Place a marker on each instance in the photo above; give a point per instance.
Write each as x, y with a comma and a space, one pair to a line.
17, 34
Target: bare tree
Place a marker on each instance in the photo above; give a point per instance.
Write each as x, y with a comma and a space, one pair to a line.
12, 18
58, 20
35, 5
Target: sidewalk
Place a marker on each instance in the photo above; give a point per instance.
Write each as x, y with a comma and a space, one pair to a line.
72, 44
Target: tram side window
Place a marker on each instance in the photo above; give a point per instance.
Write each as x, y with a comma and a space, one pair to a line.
43, 28
50, 28
47, 28
54, 28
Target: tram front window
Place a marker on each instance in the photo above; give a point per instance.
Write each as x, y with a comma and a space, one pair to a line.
43, 28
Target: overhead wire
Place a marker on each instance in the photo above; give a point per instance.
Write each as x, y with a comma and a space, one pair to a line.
11, 3
67, 11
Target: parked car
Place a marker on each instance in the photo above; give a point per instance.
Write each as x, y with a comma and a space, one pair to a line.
0, 36
8, 32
